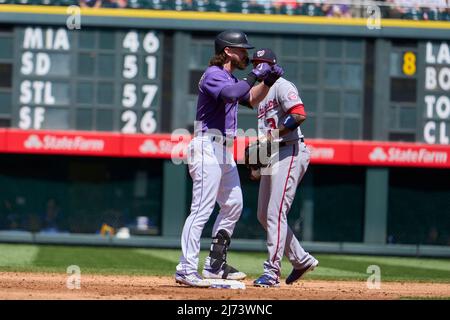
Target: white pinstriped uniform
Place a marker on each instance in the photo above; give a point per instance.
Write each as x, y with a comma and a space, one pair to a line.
277, 191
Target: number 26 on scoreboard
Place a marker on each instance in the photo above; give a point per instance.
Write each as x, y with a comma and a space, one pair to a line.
147, 124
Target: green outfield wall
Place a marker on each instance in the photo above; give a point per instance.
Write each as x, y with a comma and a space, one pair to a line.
358, 83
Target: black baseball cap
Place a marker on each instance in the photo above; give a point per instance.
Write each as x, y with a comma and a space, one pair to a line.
264, 55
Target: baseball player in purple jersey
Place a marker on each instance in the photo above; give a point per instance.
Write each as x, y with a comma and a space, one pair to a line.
282, 110
212, 168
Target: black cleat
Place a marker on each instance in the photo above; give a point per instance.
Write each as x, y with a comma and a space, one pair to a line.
296, 274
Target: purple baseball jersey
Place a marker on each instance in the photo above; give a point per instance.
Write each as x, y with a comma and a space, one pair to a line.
212, 110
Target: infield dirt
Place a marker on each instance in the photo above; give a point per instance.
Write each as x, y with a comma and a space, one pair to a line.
18, 285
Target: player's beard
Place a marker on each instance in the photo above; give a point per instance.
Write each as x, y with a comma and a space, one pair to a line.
240, 64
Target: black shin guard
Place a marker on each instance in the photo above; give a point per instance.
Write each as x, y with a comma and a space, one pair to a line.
218, 253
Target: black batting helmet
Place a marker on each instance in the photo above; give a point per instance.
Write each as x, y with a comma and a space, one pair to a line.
231, 38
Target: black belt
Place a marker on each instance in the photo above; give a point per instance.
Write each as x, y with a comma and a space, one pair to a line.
283, 144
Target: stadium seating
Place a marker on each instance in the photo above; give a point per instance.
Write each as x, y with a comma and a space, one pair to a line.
249, 7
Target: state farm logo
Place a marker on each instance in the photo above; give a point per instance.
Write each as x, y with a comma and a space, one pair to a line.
148, 146
377, 155
159, 147
33, 142
50, 142
400, 155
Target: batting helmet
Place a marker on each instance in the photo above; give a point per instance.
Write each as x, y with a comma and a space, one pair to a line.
231, 38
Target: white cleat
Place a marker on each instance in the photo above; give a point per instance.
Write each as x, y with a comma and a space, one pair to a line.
192, 280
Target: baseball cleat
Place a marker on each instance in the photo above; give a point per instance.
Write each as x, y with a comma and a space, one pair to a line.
266, 281
296, 274
192, 279
227, 272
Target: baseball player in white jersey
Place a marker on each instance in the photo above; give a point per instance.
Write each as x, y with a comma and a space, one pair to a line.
282, 110
213, 169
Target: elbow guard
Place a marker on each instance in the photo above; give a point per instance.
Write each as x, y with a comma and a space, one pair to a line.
290, 123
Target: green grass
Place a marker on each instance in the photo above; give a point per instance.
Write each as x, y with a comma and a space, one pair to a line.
130, 261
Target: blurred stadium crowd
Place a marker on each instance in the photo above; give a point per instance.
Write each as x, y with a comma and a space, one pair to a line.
398, 9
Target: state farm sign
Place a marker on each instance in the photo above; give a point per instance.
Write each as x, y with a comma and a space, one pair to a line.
409, 155
77, 143
67, 142
322, 153
329, 151
400, 154
161, 147
154, 146
165, 146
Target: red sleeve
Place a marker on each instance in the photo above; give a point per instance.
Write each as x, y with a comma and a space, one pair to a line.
298, 109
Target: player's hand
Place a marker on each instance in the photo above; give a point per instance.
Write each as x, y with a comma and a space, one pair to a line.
262, 70
275, 73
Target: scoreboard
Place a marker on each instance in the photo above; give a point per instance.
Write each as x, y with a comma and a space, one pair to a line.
89, 79
437, 93
111, 79
87, 114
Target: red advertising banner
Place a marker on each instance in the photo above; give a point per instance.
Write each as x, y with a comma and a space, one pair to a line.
63, 142
154, 146
400, 154
165, 146
330, 151
3, 140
